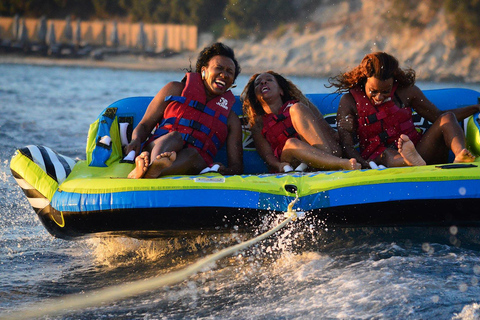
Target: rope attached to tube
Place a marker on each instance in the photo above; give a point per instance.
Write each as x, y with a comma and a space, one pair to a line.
98, 297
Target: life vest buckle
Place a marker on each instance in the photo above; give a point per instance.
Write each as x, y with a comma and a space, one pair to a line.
383, 136
197, 105
195, 125
371, 118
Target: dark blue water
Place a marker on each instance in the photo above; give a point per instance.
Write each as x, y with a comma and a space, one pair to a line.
306, 271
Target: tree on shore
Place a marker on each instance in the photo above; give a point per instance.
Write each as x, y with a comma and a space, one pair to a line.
241, 18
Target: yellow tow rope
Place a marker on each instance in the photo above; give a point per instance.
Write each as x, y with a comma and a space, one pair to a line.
96, 298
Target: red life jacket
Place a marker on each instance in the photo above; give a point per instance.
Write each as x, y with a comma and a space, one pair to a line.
379, 127
202, 124
278, 128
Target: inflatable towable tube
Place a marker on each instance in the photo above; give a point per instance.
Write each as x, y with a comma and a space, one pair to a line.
92, 196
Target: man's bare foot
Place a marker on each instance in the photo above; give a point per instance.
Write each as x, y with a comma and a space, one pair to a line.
407, 150
141, 165
464, 156
161, 162
354, 165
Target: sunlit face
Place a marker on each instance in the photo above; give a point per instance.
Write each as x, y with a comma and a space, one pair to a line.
218, 75
266, 85
378, 91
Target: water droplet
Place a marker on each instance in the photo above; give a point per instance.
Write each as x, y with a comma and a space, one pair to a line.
462, 191
426, 247
476, 269
474, 281
453, 230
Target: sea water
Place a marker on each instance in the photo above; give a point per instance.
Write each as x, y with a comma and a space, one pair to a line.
305, 271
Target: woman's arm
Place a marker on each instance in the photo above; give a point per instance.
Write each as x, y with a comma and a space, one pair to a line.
234, 146
153, 115
264, 149
416, 99
347, 126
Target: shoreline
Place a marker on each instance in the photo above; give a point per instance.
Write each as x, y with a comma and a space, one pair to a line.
180, 62
121, 62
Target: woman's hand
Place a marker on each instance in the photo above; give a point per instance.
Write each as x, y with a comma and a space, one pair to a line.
133, 145
281, 166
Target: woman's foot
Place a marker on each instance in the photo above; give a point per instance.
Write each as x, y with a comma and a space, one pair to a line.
407, 150
141, 166
353, 164
161, 162
464, 156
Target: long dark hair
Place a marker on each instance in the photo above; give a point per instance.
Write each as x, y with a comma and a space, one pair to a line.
380, 65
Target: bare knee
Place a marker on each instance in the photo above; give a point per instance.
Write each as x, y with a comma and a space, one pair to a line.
298, 110
172, 141
289, 149
292, 143
175, 135
447, 117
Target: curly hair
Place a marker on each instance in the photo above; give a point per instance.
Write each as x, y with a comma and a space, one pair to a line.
380, 65
216, 49
252, 107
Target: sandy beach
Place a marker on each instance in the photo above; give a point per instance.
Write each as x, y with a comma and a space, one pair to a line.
179, 62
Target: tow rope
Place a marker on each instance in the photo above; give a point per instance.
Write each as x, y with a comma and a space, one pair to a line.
98, 297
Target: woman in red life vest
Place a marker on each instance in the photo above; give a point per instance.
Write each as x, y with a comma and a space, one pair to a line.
287, 128
377, 109
193, 119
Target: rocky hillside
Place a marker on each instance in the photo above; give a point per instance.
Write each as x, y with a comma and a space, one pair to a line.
338, 34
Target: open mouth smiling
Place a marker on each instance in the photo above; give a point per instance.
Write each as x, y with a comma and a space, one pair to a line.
220, 83
376, 102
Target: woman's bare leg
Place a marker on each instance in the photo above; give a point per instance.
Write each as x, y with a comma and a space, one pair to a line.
171, 141
315, 131
298, 150
445, 134
165, 156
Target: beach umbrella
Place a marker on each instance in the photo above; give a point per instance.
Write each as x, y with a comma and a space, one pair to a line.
51, 38
15, 26
103, 35
114, 35
68, 31
154, 40
23, 33
42, 30
142, 37
165, 40
78, 32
